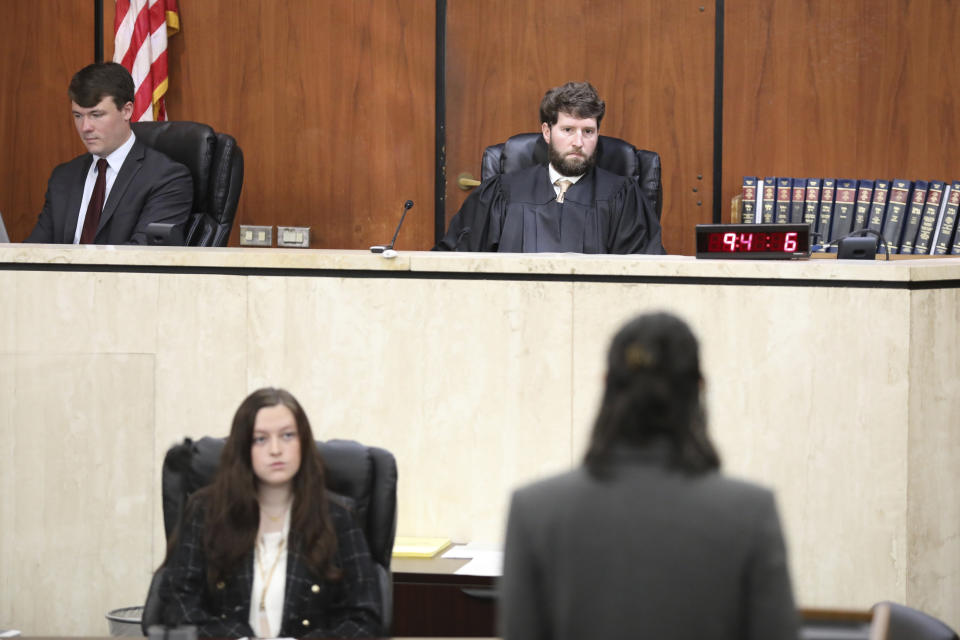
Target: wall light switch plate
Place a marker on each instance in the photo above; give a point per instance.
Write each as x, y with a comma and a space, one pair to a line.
252, 235
293, 237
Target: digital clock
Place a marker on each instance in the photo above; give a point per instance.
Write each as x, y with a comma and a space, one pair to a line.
753, 241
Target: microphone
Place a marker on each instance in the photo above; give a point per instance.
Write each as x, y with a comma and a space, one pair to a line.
387, 249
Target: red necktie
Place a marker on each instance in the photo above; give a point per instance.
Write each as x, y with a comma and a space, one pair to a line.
92, 219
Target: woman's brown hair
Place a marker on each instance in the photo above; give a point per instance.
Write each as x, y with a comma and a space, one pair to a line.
231, 510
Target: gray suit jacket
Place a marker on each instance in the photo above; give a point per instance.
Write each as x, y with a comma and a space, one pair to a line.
650, 553
150, 187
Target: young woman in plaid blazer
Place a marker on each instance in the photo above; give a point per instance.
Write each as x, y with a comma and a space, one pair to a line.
262, 552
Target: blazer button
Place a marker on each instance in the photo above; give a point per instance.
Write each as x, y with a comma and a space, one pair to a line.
315, 588
221, 585
306, 623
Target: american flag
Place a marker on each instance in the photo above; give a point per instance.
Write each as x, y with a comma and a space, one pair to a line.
141, 28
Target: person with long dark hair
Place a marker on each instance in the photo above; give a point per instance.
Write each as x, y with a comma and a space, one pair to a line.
647, 539
262, 551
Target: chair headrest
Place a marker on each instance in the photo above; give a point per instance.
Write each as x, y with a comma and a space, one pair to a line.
190, 143
906, 623
348, 467
613, 154
352, 470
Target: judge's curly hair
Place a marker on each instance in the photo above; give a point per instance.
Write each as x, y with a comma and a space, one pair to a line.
577, 99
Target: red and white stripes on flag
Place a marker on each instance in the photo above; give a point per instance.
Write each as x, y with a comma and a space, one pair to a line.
141, 28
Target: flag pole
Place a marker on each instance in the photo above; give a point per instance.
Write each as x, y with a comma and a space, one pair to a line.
98, 30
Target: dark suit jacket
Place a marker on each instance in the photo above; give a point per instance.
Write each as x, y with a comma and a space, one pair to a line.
517, 212
312, 607
649, 553
150, 187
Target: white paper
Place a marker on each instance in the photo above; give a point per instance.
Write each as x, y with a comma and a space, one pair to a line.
470, 550
484, 563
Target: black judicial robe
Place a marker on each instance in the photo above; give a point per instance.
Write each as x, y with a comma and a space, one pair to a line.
518, 213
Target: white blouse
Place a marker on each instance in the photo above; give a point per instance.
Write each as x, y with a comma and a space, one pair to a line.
270, 554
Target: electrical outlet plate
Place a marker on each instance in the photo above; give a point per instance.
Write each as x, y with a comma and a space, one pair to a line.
252, 235
293, 237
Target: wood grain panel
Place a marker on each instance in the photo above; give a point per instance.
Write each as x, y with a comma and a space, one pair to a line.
42, 45
332, 103
502, 56
858, 89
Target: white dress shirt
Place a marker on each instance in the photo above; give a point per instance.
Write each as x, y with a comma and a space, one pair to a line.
556, 175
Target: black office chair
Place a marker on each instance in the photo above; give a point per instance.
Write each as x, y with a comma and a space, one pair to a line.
613, 154
365, 475
892, 621
216, 164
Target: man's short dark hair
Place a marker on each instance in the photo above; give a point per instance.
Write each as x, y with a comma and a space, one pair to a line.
97, 81
578, 99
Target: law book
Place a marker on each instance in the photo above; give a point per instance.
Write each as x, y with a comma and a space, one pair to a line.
769, 200
826, 209
784, 193
797, 200
948, 222
812, 203
845, 202
862, 211
911, 223
928, 221
881, 190
896, 209
748, 207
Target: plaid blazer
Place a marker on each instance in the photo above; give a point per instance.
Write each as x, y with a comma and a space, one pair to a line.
312, 607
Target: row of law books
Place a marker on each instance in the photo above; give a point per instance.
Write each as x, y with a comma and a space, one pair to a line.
916, 217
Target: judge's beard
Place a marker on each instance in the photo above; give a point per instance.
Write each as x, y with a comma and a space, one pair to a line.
570, 166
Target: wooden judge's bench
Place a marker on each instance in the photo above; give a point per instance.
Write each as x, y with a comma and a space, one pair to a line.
834, 382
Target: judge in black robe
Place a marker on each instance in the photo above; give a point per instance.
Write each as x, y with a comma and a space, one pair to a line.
518, 212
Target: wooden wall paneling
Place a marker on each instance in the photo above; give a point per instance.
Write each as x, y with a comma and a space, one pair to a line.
42, 45
859, 89
502, 56
332, 103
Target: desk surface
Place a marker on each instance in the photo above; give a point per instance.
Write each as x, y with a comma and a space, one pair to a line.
435, 570
264, 261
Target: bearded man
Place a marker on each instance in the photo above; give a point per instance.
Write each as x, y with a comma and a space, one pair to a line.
566, 205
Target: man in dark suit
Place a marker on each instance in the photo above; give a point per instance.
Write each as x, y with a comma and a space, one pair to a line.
647, 539
568, 205
110, 195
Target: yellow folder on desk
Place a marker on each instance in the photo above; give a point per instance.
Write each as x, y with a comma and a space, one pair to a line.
411, 547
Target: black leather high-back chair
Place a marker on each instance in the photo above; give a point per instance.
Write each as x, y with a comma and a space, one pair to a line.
613, 154
216, 164
365, 475
892, 621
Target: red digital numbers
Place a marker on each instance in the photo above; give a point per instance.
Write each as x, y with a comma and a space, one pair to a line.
730, 242
753, 242
790, 242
